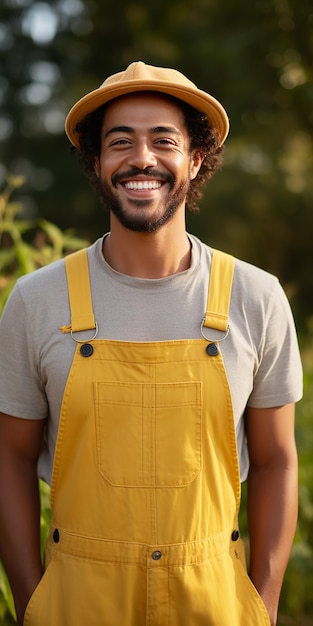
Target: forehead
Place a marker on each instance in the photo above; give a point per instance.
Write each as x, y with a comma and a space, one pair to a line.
144, 108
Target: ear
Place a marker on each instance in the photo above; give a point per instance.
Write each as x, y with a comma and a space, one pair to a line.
97, 166
196, 160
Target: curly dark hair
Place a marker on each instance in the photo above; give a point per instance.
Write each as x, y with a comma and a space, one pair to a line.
203, 137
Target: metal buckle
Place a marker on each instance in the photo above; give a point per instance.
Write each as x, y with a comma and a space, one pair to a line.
84, 340
215, 340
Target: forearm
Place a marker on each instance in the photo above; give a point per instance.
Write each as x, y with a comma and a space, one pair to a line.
20, 528
272, 517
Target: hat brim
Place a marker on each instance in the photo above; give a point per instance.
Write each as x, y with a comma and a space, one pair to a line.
200, 100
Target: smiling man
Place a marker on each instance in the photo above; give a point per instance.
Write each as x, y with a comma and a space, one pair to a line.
144, 379
130, 156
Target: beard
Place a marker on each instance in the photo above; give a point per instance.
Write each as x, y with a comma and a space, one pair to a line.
141, 223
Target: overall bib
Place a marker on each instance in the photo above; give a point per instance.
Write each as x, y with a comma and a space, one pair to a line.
145, 489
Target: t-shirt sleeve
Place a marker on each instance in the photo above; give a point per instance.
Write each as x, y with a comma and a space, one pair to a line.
278, 376
21, 390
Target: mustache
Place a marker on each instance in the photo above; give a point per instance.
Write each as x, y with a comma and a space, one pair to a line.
148, 171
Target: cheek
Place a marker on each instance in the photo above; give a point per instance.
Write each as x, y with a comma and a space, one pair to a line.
179, 166
109, 164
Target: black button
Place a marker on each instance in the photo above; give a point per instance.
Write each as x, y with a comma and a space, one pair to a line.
156, 555
86, 349
235, 535
212, 349
56, 536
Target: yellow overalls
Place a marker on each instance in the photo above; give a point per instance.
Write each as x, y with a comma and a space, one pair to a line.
145, 488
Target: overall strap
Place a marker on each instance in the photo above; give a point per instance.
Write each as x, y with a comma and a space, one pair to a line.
220, 286
78, 281
82, 317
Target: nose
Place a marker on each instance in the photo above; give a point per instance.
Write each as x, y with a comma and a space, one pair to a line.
142, 156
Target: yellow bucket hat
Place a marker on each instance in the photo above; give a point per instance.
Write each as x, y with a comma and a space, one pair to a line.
141, 77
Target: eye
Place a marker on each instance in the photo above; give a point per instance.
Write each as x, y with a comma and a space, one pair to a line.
119, 142
165, 142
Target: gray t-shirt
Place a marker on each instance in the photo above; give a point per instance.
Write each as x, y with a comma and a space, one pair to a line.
261, 353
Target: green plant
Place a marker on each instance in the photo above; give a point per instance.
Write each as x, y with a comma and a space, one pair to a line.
26, 245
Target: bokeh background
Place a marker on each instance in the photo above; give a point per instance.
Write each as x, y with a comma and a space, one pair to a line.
257, 58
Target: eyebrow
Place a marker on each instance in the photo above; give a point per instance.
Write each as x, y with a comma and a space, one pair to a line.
128, 129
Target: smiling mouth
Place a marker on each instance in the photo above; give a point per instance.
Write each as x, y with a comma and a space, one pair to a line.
142, 185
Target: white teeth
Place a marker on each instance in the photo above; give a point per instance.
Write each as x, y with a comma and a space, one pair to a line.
141, 184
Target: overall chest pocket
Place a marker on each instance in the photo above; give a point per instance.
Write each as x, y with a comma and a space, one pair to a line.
148, 434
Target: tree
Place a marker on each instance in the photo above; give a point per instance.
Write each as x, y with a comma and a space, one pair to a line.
257, 60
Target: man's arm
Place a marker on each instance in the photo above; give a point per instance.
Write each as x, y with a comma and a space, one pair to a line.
20, 444
272, 498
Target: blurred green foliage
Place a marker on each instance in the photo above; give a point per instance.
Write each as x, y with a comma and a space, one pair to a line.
26, 245
256, 57
296, 602
7, 611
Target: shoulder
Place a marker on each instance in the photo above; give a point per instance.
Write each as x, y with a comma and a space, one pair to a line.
46, 282
42, 278
258, 300
248, 278
256, 289
253, 279
41, 297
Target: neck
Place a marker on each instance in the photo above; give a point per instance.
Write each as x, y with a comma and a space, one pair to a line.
148, 255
